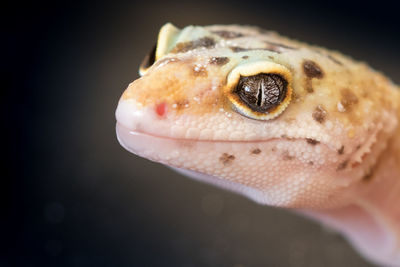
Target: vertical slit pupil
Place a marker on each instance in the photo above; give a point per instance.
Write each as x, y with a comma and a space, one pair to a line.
259, 96
262, 92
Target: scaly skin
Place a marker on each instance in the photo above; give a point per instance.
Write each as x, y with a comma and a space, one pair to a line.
330, 147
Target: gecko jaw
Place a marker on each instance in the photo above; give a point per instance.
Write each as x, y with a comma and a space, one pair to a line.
252, 193
237, 164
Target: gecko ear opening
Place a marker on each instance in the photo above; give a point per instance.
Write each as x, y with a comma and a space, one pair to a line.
165, 41
259, 90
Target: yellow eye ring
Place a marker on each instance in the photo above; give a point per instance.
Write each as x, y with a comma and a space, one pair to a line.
271, 84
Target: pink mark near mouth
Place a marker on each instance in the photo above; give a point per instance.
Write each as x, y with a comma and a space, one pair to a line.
161, 109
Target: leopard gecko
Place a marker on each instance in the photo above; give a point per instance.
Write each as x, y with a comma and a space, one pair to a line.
282, 122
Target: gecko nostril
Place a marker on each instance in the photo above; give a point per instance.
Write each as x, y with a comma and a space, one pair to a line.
161, 109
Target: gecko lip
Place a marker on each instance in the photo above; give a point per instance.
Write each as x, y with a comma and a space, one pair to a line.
154, 147
137, 141
148, 144
125, 132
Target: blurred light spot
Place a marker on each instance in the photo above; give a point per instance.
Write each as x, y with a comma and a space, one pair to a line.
212, 205
54, 212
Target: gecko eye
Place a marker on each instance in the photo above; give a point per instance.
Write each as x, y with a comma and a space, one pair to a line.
259, 90
148, 61
262, 92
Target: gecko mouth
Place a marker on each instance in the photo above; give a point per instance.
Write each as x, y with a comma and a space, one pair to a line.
124, 134
179, 152
137, 142
120, 128
222, 158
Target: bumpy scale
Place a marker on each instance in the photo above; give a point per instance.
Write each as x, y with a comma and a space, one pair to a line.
279, 121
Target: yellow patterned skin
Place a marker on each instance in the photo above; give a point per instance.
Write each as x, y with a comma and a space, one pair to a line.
328, 146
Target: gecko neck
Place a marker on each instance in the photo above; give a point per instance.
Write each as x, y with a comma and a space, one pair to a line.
372, 220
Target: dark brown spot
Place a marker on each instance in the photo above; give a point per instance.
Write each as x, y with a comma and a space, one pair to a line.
199, 70
220, 61
271, 57
335, 60
310, 163
237, 49
273, 48
245, 57
348, 100
342, 165
287, 156
341, 150
280, 45
308, 85
368, 176
226, 159
206, 42
181, 104
256, 151
296, 97
312, 141
312, 70
358, 147
319, 114
355, 164
228, 34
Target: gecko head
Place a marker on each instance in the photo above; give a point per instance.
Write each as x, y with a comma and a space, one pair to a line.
221, 105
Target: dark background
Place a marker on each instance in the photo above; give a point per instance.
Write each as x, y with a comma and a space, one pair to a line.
73, 197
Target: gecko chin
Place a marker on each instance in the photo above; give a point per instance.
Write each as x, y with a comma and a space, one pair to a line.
292, 169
